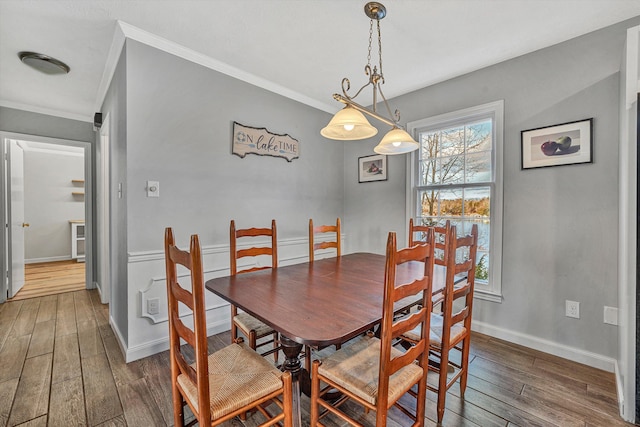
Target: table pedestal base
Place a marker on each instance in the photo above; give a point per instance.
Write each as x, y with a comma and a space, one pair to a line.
300, 377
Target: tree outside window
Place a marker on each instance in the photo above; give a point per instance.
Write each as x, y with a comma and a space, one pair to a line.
455, 168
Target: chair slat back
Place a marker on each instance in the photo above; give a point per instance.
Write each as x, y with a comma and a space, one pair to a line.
461, 259
194, 300
325, 244
236, 254
441, 234
391, 328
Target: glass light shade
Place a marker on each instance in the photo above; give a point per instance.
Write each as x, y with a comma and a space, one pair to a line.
396, 141
348, 124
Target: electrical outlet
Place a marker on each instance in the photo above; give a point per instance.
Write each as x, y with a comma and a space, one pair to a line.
611, 315
153, 305
572, 309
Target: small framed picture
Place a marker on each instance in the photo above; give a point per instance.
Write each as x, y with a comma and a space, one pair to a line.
563, 144
372, 168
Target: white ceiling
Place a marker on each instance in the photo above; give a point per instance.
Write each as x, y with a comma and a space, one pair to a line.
302, 48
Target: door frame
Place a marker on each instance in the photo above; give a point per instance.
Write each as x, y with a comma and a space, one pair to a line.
88, 202
103, 216
14, 164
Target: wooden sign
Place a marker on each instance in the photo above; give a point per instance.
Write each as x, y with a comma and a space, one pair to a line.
249, 140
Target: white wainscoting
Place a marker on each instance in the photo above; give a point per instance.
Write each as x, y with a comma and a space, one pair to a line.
149, 333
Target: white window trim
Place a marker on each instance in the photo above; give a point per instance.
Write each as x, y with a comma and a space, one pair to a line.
492, 292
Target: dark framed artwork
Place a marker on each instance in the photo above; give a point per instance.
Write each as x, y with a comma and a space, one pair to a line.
562, 144
372, 168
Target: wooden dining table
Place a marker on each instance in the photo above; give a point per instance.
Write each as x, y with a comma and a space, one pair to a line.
320, 303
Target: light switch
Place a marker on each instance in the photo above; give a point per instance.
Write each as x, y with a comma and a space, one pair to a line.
153, 188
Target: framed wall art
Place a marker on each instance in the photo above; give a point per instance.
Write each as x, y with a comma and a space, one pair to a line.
563, 144
372, 168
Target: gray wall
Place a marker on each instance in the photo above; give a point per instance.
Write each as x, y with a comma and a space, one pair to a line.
29, 123
171, 121
560, 223
115, 106
49, 204
179, 119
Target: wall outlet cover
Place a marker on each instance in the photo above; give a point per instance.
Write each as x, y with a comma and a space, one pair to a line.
572, 309
611, 315
153, 306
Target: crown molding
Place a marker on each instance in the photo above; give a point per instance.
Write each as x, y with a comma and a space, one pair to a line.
117, 43
46, 111
125, 31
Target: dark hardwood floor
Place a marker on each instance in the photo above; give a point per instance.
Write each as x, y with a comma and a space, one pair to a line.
60, 365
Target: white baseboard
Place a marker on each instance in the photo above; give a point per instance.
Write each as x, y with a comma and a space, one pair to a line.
150, 348
119, 337
97, 286
619, 389
47, 259
575, 354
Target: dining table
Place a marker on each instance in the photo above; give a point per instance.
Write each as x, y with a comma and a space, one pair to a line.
318, 304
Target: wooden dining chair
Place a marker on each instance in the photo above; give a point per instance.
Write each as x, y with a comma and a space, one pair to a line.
440, 235
251, 327
324, 244
228, 382
315, 246
451, 330
371, 371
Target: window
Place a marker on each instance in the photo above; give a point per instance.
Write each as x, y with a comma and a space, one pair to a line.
456, 176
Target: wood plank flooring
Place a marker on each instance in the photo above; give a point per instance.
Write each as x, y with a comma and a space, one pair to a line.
51, 278
60, 365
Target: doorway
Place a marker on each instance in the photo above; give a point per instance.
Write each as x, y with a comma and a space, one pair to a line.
46, 195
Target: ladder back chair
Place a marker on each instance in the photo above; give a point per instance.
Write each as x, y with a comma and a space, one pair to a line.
325, 244
371, 371
239, 380
451, 330
441, 247
313, 247
440, 235
251, 327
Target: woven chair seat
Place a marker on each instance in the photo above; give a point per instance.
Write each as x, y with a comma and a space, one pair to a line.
435, 335
356, 367
247, 322
238, 376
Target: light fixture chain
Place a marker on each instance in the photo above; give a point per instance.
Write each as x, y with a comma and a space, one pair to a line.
380, 51
370, 40
349, 123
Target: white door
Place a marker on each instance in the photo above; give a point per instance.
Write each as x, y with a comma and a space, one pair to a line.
16, 217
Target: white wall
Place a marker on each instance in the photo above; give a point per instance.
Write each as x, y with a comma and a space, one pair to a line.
49, 203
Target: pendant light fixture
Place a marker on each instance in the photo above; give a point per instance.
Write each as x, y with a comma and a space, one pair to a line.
350, 123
